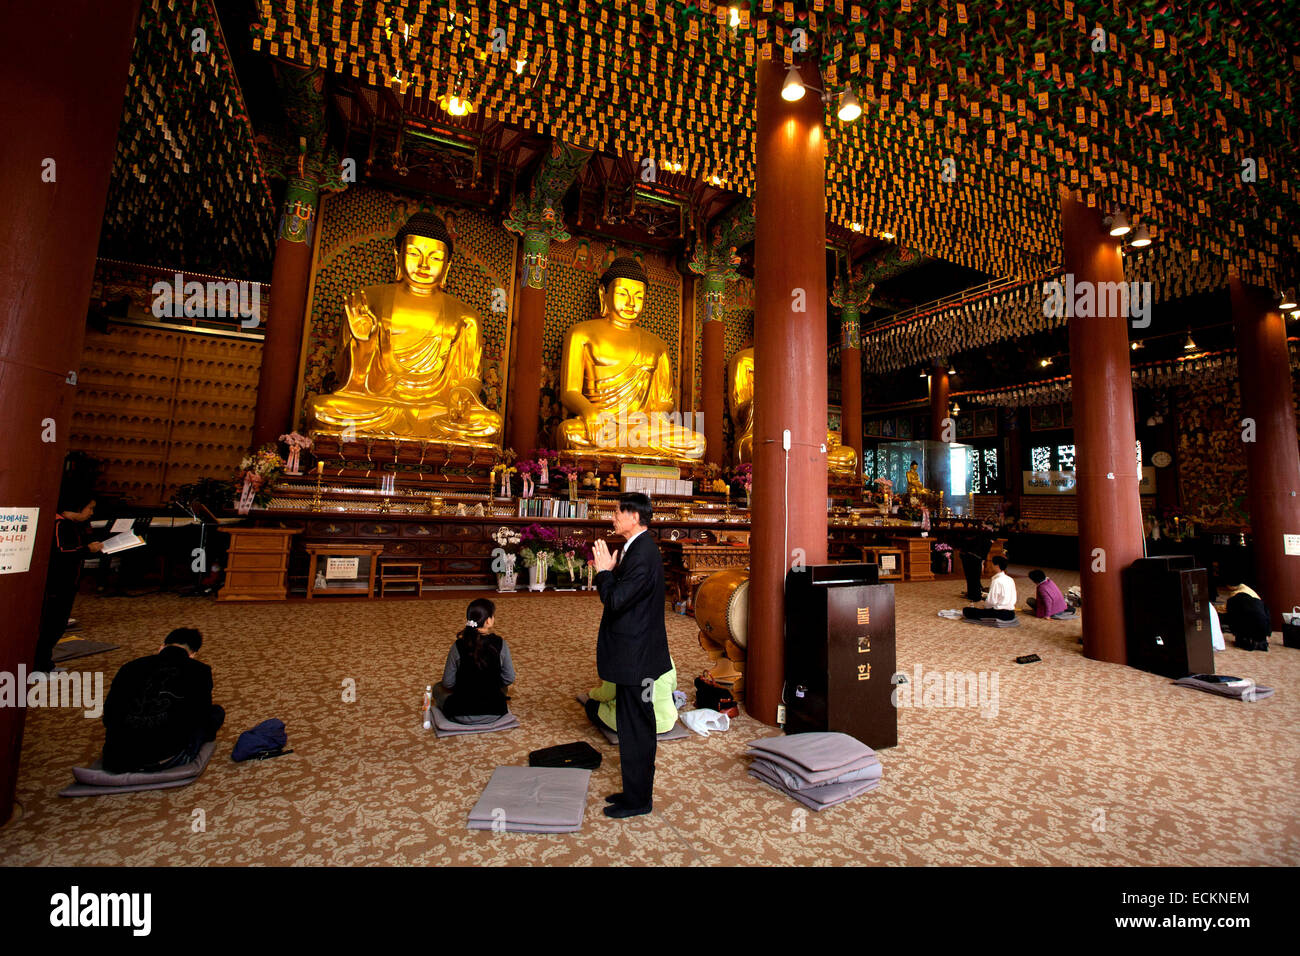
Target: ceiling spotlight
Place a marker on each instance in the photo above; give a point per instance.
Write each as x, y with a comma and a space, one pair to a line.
850, 108
1288, 299
1045, 362
1189, 345
956, 408
1117, 223
887, 235
520, 64
1296, 314
952, 371
856, 227
1136, 345
793, 88
734, 20
1141, 237
924, 374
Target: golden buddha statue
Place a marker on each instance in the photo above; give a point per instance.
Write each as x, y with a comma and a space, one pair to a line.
617, 380
914, 485
740, 388
409, 355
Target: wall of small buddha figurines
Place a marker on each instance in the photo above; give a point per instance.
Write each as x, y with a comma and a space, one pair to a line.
160, 408
1210, 458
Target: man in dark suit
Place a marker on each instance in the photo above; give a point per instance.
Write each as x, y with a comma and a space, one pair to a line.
632, 647
159, 710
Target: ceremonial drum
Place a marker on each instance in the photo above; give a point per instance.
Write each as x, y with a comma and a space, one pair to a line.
722, 610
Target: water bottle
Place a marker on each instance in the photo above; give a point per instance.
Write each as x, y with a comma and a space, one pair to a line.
426, 708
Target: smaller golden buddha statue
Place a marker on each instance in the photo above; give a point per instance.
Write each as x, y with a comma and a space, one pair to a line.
617, 380
914, 486
840, 459
409, 355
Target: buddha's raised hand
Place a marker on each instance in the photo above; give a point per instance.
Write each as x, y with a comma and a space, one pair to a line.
360, 318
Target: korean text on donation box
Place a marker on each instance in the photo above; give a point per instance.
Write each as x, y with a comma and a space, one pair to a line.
341, 568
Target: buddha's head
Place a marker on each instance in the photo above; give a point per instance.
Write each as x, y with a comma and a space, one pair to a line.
422, 249
622, 291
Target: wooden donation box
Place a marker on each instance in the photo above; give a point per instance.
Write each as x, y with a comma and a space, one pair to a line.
1167, 616
839, 653
257, 564
917, 553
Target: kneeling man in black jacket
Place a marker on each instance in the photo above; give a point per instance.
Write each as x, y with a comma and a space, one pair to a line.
159, 711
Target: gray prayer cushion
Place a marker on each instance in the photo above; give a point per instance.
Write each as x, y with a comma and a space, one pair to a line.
444, 726
533, 797
817, 798
815, 779
816, 751
795, 780
96, 776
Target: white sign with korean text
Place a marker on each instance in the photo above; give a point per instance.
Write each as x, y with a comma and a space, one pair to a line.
336, 568
1291, 544
17, 539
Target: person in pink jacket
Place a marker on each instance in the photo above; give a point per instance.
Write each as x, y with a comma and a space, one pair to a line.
1049, 602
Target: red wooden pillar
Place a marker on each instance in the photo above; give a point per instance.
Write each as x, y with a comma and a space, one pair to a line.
1110, 514
713, 371
290, 277
526, 350
66, 111
789, 500
851, 388
1272, 458
939, 467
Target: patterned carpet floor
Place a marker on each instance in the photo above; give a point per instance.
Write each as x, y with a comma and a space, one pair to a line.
1079, 763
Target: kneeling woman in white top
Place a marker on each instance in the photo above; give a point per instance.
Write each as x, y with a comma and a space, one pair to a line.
1001, 602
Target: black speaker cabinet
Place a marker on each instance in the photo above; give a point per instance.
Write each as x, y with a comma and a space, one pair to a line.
1167, 616
839, 653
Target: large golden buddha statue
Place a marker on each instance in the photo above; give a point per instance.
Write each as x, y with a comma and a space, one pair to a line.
409, 355
740, 389
617, 379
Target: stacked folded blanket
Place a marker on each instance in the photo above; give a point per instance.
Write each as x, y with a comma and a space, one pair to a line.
532, 800
818, 769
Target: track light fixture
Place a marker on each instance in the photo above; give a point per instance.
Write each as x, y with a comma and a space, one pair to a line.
1141, 236
793, 88
1117, 223
1288, 299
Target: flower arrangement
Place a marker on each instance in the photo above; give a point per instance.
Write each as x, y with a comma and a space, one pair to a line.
573, 557
257, 475
745, 475
537, 544
528, 470
506, 471
544, 458
297, 445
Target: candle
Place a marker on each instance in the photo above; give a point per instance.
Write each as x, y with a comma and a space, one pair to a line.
320, 467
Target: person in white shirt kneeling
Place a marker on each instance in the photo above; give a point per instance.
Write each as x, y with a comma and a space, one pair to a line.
1001, 603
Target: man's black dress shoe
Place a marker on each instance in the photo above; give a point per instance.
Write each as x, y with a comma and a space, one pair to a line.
618, 811
615, 798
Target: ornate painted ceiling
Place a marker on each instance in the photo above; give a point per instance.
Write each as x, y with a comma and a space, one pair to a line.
1180, 113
